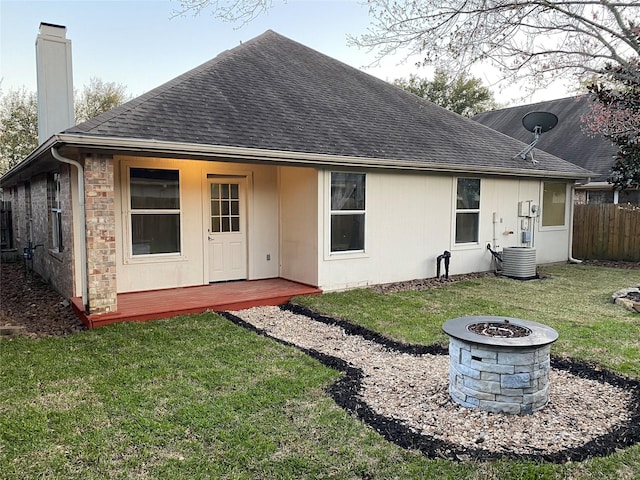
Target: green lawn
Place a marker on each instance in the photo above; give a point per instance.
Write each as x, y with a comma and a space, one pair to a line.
199, 397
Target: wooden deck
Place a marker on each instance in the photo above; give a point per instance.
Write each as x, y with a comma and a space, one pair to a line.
154, 304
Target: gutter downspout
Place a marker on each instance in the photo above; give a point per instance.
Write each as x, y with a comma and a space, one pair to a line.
573, 199
83, 236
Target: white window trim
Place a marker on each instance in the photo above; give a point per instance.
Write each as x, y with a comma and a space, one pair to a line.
551, 228
454, 220
55, 211
129, 257
350, 254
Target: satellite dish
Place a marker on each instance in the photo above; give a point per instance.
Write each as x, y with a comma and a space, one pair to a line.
537, 123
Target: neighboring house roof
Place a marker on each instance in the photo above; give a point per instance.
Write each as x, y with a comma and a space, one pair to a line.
272, 99
566, 140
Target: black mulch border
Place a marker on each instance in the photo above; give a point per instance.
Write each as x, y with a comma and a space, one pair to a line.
345, 393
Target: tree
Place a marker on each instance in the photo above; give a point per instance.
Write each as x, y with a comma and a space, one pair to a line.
615, 114
97, 97
19, 116
463, 95
538, 40
18, 127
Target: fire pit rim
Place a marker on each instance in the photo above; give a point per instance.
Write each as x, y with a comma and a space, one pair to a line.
540, 334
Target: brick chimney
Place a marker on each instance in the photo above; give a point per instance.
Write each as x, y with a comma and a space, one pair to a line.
55, 81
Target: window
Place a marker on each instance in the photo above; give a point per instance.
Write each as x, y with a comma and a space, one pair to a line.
600, 197
467, 210
55, 211
347, 211
155, 211
553, 203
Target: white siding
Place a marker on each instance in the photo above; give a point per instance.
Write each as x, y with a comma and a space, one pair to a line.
411, 220
299, 219
134, 274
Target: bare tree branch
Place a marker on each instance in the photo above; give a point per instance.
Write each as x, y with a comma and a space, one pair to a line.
539, 40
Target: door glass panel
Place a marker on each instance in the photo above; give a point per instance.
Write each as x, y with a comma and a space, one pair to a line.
225, 207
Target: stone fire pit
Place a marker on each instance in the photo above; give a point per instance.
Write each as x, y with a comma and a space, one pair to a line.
499, 364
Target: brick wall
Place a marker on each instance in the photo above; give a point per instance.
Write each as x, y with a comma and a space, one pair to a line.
580, 197
101, 233
31, 222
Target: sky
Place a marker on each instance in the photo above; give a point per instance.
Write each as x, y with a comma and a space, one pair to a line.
141, 43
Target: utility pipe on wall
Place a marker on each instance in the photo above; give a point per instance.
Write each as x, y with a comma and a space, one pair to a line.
83, 220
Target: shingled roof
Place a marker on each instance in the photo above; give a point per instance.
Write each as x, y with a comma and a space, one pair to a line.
566, 140
274, 100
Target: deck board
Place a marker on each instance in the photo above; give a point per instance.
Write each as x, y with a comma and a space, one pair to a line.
155, 304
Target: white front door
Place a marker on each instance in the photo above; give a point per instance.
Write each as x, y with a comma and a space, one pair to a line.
227, 232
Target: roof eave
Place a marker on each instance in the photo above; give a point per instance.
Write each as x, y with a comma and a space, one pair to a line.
241, 154
8, 178
196, 150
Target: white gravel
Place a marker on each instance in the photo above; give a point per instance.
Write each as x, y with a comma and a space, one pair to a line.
413, 390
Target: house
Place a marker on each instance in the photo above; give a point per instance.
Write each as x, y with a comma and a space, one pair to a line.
569, 142
275, 161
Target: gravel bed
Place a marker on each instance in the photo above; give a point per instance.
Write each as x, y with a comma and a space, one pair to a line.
584, 417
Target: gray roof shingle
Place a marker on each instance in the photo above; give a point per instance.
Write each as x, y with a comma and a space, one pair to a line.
566, 140
275, 94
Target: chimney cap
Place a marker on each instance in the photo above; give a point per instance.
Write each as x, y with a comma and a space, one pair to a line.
53, 29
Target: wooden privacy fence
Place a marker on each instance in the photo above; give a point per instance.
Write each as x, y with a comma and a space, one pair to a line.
607, 232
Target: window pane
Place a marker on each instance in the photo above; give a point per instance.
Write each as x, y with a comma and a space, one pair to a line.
467, 227
155, 233
224, 191
154, 189
347, 191
234, 190
215, 190
55, 220
225, 224
235, 224
215, 224
235, 207
553, 201
468, 194
600, 197
347, 232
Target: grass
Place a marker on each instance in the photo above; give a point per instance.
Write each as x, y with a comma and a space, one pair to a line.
573, 299
198, 397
